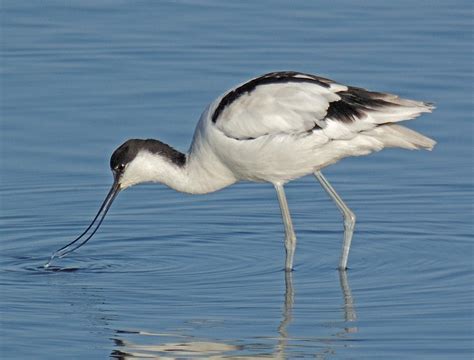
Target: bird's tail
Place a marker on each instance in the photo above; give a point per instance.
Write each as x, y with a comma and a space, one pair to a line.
392, 135
398, 109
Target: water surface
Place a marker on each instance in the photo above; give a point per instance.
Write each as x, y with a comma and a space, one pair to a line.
180, 276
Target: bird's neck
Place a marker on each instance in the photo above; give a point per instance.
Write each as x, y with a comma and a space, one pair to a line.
205, 175
195, 175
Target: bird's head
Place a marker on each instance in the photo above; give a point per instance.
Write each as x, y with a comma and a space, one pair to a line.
135, 161
126, 165
138, 161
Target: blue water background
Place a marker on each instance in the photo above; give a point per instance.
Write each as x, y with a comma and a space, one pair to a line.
180, 276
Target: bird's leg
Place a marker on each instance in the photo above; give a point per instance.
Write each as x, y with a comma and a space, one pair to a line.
349, 218
290, 237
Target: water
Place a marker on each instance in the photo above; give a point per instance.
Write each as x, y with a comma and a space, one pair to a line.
179, 276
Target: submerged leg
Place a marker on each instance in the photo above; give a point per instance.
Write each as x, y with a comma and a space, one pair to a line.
349, 218
290, 237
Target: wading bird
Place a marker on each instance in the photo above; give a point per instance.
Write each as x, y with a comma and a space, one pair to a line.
274, 128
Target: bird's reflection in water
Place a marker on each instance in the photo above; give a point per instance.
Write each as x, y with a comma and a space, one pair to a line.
188, 347
349, 316
349, 310
287, 316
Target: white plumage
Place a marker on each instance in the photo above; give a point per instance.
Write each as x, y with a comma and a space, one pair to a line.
269, 134
273, 128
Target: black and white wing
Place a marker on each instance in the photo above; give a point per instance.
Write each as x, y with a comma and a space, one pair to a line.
296, 103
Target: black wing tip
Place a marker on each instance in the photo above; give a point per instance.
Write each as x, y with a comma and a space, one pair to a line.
354, 102
429, 105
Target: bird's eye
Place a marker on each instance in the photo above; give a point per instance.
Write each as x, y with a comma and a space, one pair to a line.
120, 167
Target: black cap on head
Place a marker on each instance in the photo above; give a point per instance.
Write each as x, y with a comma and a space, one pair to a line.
126, 152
